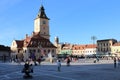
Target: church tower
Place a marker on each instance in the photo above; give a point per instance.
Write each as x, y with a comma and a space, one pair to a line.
56, 42
41, 24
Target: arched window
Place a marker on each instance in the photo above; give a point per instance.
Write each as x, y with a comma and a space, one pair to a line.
48, 50
44, 51
53, 51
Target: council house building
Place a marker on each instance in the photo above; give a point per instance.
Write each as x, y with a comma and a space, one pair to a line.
37, 45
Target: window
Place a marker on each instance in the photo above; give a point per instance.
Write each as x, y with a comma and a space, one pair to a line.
44, 51
53, 51
44, 22
98, 50
48, 50
44, 33
104, 44
30, 50
38, 50
34, 50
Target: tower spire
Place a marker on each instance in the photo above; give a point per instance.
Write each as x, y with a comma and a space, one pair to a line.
41, 23
41, 13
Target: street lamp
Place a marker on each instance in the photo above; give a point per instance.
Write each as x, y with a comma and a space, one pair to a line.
93, 38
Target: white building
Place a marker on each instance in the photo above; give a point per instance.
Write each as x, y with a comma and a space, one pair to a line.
84, 50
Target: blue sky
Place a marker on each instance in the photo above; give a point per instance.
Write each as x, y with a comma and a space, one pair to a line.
73, 21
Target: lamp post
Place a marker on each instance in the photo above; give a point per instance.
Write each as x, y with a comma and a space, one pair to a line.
93, 38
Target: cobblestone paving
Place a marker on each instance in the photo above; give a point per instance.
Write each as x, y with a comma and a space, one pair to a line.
82, 70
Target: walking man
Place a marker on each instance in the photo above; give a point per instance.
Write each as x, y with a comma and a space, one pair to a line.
119, 62
59, 65
115, 62
68, 61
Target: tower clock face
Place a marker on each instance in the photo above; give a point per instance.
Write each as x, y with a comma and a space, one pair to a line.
44, 22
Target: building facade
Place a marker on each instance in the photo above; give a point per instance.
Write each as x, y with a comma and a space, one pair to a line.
84, 50
4, 53
90, 50
38, 44
115, 49
66, 49
104, 46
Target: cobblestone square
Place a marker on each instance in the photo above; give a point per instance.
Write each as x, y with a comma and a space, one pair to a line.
82, 70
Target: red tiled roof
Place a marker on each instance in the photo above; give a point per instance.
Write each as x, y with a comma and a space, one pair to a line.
35, 41
91, 46
78, 47
116, 44
19, 43
38, 41
82, 47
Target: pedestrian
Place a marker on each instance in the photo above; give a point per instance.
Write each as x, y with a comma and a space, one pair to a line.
19, 61
4, 58
119, 62
68, 61
94, 61
39, 61
115, 62
59, 65
35, 62
27, 70
97, 59
31, 68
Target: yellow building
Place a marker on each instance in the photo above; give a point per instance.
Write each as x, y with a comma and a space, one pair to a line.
115, 49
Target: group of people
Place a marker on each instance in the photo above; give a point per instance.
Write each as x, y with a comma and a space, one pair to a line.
28, 67
59, 63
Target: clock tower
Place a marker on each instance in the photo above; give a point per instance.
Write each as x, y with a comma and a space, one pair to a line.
41, 24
